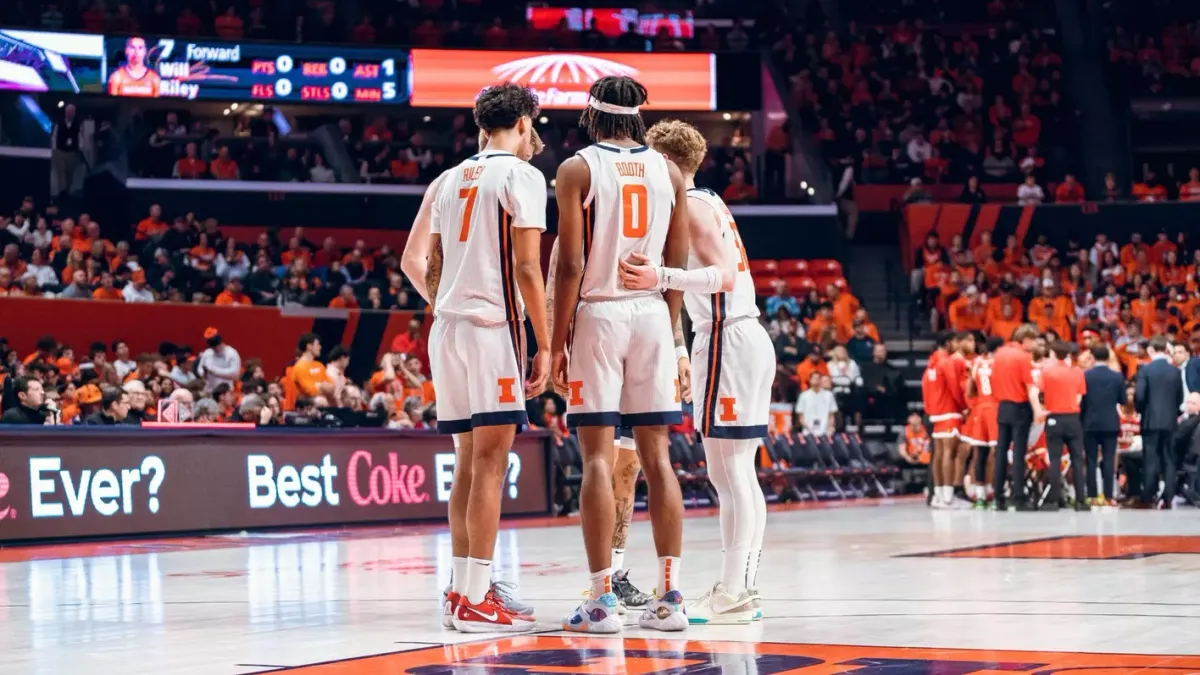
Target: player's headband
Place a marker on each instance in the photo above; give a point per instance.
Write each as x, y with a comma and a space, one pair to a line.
611, 108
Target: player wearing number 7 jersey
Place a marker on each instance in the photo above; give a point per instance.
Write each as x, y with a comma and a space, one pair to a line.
615, 198
733, 369
982, 427
486, 223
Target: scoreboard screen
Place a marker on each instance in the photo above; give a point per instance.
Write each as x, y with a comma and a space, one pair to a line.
232, 71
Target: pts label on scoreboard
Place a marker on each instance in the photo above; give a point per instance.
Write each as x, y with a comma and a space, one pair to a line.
169, 68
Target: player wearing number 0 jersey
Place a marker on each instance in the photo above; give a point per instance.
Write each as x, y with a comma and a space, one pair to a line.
614, 352
733, 368
485, 225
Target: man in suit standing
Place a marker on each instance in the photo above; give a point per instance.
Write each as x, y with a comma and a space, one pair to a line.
1101, 423
1158, 396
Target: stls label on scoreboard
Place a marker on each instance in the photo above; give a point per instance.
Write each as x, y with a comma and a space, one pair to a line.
146, 67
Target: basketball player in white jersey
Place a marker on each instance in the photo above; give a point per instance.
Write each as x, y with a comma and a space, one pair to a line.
414, 262
486, 223
615, 198
734, 367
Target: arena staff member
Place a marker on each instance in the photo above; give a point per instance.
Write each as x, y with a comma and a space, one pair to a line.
1012, 380
1065, 387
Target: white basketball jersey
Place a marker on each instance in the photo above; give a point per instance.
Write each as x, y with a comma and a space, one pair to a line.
738, 303
476, 208
627, 210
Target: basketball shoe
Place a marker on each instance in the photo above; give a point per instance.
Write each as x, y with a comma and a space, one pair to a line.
720, 607
506, 593
595, 615
627, 594
665, 613
758, 614
489, 616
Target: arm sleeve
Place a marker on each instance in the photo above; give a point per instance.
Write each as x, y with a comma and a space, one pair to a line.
524, 196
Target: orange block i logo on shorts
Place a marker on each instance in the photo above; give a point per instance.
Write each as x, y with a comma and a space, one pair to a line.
506, 385
727, 413
576, 387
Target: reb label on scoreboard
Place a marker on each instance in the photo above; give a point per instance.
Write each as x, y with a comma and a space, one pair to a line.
228, 71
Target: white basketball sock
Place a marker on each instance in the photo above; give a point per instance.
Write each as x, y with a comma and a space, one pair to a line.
760, 518
458, 579
479, 579
618, 559
731, 470
668, 574
601, 582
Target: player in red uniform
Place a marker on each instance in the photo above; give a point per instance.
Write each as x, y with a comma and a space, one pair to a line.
964, 363
942, 393
982, 429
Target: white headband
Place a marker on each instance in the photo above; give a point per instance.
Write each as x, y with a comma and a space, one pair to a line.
612, 109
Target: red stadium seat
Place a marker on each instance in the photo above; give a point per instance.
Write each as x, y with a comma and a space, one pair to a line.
765, 285
790, 268
800, 285
825, 267
764, 267
840, 282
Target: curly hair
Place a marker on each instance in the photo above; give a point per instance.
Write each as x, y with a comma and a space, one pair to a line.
681, 142
501, 106
617, 90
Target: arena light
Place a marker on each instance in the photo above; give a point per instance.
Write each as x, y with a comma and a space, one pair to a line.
543, 120
811, 192
726, 116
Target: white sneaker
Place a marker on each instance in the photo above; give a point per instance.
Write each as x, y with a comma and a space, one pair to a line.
758, 613
960, 504
938, 504
720, 607
665, 613
595, 615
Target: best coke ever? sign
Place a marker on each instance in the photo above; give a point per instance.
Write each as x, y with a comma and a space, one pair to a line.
79, 482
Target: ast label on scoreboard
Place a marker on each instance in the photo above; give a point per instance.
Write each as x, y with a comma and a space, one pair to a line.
171, 68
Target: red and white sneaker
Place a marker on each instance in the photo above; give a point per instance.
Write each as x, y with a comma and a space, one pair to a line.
489, 616
449, 604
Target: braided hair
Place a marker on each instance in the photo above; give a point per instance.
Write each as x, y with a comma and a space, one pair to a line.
617, 90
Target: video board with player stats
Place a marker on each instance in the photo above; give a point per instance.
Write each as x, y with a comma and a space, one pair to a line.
232, 71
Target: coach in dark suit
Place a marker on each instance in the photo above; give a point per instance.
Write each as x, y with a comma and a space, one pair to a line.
1101, 423
1158, 396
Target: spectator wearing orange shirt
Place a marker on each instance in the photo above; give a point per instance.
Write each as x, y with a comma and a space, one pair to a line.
1129, 252
1160, 247
107, 291
1027, 128
1003, 325
308, 376
345, 298
1069, 191
822, 326
202, 257
1059, 304
229, 25
1006, 297
845, 306
969, 311
295, 251
1049, 321
223, 167
412, 342
984, 252
233, 294
1149, 189
151, 225
1190, 191
1141, 308
189, 166
813, 363
738, 189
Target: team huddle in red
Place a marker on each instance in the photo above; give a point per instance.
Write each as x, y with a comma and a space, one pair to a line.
981, 398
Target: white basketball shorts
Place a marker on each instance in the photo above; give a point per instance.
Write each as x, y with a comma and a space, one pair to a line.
733, 368
478, 374
622, 370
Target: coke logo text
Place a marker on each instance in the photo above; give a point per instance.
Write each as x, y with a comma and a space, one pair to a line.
395, 483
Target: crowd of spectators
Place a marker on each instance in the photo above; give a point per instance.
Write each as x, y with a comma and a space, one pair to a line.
1153, 48
909, 100
1119, 294
423, 23
108, 385
190, 260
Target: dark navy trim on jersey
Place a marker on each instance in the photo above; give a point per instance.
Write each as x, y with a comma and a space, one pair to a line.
594, 419
713, 386
613, 148
652, 419
737, 433
623, 432
494, 419
702, 189
498, 153
453, 426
